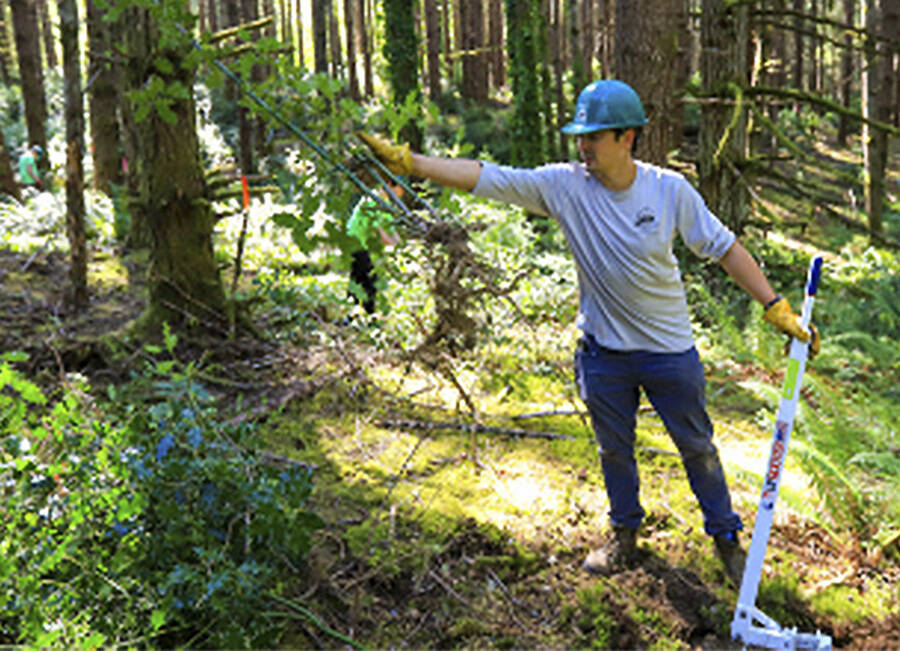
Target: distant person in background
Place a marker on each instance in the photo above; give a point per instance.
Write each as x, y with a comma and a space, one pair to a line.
373, 229
29, 174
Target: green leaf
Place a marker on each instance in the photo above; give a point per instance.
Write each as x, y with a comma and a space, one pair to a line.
165, 111
163, 65
157, 619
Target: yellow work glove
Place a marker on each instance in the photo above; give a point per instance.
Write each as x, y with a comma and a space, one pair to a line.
780, 315
397, 158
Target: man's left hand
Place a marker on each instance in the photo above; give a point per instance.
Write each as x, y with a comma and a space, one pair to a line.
780, 315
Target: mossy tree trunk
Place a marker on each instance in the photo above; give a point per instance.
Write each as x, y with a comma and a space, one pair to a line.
723, 131
185, 289
527, 125
401, 51
8, 183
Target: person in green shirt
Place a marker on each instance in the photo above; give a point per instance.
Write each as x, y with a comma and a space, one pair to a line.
372, 228
29, 174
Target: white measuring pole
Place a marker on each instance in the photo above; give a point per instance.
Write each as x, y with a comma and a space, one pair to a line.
751, 626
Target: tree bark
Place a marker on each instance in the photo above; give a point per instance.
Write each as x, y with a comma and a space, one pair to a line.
845, 84
104, 101
352, 40
5, 53
798, 44
47, 34
650, 48
526, 128
74, 117
334, 43
365, 44
557, 40
495, 40
185, 289
212, 15
31, 74
881, 16
474, 61
433, 48
402, 55
723, 124
320, 9
8, 183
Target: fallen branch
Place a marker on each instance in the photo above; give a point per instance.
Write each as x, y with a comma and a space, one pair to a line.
473, 428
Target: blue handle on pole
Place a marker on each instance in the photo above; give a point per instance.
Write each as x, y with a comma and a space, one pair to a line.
815, 270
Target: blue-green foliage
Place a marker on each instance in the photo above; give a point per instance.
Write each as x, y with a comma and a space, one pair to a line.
161, 525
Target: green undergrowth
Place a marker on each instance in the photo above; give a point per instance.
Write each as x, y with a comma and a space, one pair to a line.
408, 490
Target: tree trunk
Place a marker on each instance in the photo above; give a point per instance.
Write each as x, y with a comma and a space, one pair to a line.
5, 53
526, 125
185, 289
446, 18
877, 104
433, 49
649, 35
334, 43
74, 117
557, 40
31, 74
798, 45
542, 55
722, 140
365, 44
588, 38
812, 76
474, 60
320, 9
212, 15
8, 183
579, 75
47, 33
104, 100
352, 40
297, 34
495, 40
845, 84
401, 52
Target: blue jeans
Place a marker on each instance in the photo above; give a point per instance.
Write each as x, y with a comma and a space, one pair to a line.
610, 383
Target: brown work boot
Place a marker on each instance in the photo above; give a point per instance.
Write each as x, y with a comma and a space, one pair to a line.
733, 557
618, 554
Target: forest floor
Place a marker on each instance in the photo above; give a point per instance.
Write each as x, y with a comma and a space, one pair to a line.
445, 539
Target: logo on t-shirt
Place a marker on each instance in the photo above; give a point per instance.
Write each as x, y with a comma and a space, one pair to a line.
644, 216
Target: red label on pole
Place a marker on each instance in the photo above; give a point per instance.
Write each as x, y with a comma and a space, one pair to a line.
246, 189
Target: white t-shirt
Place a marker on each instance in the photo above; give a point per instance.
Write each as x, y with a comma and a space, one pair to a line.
632, 296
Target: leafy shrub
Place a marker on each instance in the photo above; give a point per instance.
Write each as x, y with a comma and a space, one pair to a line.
163, 526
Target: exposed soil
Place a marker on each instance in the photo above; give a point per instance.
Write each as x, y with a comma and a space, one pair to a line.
478, 590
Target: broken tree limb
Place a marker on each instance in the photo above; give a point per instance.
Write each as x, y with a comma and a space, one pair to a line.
473, 428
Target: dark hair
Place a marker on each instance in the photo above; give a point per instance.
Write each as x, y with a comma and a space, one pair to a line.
637, 136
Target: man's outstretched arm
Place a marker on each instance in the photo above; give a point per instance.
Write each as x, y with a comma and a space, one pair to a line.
459, 173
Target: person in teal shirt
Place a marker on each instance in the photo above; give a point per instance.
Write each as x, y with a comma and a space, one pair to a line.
29, 174
370, 225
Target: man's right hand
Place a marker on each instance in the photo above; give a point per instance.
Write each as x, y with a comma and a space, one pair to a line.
397, 158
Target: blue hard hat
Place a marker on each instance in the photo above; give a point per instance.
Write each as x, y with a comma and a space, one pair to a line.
38, 151
606, 104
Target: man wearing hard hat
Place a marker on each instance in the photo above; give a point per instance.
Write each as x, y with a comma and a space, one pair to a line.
620, 217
